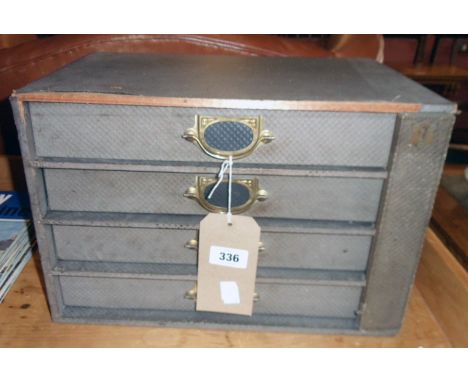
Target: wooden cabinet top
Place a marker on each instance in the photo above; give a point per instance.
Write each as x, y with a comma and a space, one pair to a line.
235, 81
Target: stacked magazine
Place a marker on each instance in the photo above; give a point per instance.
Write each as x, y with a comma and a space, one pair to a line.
16, 238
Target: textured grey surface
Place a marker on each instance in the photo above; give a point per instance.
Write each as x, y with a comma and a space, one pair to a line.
208, 320
111, 219
173, 271
231, 77
154, 133
140, 245
294, 197
309, 300
210, 167
282, 250
306, 251
406, 209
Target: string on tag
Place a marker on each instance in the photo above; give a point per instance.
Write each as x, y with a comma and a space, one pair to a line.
226, 165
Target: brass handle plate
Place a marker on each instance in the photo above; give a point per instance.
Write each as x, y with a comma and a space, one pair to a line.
245, 191
221, 137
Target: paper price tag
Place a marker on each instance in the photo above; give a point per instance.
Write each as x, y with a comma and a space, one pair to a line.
229, 257
227, 264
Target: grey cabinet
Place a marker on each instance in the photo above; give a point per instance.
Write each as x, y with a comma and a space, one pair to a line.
337, 160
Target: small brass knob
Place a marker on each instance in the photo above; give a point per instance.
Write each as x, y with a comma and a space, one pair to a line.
190, 135
262, 195
267, 136
191, 294
191, 244
191, 193
261, 247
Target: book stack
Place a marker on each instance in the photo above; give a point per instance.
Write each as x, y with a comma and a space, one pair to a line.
16, 238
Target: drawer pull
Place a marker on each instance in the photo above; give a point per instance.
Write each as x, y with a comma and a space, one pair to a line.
222, 137
193, 244
261, 247
192, 295
245, 192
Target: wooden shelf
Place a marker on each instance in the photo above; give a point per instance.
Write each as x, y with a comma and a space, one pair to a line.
434, 72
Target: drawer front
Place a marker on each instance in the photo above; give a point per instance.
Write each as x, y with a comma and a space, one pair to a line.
144, 245
315, 251
128, 245
154, 134
279, 299
345, 199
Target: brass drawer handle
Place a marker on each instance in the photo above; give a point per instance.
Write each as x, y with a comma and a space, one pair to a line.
245, 192
192, 295
193, 244
221, 137
261, 247
256, 297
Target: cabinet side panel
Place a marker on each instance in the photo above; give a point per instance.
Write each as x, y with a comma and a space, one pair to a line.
38, 200
417, 163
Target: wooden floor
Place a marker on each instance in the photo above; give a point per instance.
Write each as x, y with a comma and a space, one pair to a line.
25, 319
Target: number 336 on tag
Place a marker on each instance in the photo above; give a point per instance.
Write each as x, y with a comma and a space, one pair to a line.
229, 257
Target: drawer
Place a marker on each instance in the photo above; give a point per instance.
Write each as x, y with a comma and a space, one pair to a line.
126, 245
317, 198
118, 132
166, 246
157, 294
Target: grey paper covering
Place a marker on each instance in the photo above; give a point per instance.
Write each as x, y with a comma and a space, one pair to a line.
154, 134
350, 193
295, 197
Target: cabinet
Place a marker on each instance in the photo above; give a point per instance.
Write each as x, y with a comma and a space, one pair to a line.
337, 160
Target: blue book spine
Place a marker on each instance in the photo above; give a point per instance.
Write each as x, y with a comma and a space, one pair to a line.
14, 206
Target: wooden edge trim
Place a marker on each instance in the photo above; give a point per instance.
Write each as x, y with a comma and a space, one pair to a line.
120, 99
21, 111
